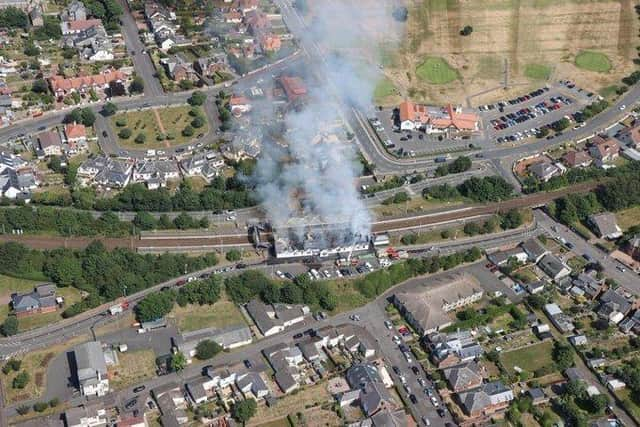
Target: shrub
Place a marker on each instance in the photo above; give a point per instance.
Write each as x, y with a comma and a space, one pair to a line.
125, 133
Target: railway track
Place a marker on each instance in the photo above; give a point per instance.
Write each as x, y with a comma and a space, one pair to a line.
227, 240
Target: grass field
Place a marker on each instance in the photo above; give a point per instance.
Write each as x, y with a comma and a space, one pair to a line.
134, 367
628, 217
436, 70
537, 71
593, 61
529, 358
161, 127
222, 314
384, 89
347, 296
535, 39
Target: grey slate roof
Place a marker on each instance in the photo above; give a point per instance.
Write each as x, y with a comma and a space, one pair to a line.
90, 361
358, 376
463, 376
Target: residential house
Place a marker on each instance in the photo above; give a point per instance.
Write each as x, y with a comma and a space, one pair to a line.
374, 397
90, 415
590, 286
247, 6
544, 171
436, 119
554, 267
50, 143
605, 225
578, 340
179, 70
41, 300
75, 138
538, 396
485, 400
535, 287
630, 136
534, 249
270, 42
35, 15
91, 369
604, 150
75, 11
155, 173
501, 258
579, 159
208, 67
11, 161
228, 338
61, 86
294, 88
558, 318
197, 391
206, 165
172, 404
251, 384
615, 304
239, 105
18, 184
427, 308
273, 318
286, 382
105, 171
463, 377
452, 349
78, 26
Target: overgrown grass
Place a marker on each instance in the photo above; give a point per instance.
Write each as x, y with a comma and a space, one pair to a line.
222, 314
593, 61
537, 71
384, 89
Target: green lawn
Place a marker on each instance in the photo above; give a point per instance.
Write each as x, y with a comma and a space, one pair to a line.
347, 296
537, 71
384, 89
70, 295
9, 285
222, 314
529, 358
593, 61
436, 70
158, 134
629, 403
628, 217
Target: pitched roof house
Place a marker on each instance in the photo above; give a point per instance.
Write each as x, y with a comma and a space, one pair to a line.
91, 369
436, 119
486, 399
606, 225
577, 159
41, 300
604, 150
50, 143
463, 377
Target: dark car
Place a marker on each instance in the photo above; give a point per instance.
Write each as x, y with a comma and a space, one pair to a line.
130, 404
297, 336
104, 133
240, 265
441, 412
413, 399
248, 363
139, 389
415, 370
396, 370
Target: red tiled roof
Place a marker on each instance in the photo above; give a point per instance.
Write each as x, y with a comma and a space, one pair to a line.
293, 87
574, 158
238, 100
419, 113
60, 83
84, 24
413, 112
74, 130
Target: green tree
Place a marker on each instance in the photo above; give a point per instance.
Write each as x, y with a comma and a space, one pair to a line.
145, 221
466, 31
23, 409
141, 138
178, 362
563, 355
21, 380
197, 98
207, 349
233, 255
10, 326
244, 410
40, 406
39, 86
197, 122
187, 131
561, 124
109, 109
125, 133
155, 305
137, 85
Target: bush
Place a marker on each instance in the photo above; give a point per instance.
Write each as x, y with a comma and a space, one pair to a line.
207, 349
54, 402
233, 255
21, 380
10, 326
141, 138
23, 409
187, 131
197, 122
40, 406
125, 133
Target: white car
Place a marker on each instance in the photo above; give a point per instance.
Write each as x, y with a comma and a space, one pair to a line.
622, 107
388, 324
327, 274
280, 274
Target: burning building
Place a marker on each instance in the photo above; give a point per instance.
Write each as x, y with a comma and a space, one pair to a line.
319, 241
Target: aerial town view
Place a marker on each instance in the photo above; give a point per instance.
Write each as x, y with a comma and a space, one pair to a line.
310, 213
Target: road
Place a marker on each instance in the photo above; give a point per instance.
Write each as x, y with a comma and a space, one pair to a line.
627, 278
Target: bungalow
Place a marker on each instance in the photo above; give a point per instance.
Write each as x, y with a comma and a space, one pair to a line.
155, 173
273, 318
228, 338
605, 225
206, 165
486, 399
239, 105
105, 171
500, 258
294, 88
534, 250
197, 391
41, 300
86, 416
78, 26
604, 150
554, 267
578, 340
630, 136
544, 171
252, 384
580, 159
50, 143
558, 318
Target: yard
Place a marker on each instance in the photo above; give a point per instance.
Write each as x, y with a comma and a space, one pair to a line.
629, 403
158, 128
222, 314
593, 61
628, 217
529, 358
134, 367
436, 70
302, 401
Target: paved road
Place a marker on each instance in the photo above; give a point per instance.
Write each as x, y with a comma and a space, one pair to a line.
612, 268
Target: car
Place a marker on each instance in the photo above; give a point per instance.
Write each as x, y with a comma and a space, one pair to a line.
280, 274
407, 388
298, 336
130, 404
396, 370
104, 134
396, 339
422, 382
622, 269
388, 324
586, 257
570, 245
622, 107
441, 412
248, 363
413, 399
403, 380
139, 388
415, 370
289, 275
434, 401
425, 421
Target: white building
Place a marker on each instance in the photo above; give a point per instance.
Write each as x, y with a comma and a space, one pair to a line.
91, 369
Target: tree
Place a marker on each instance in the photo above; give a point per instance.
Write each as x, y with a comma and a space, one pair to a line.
561, 124
10, 326
467, 30
23, 409
197, 98
109, 109
40, 406
471, 228
243, 411
207, 349
125, 133
542, 132
39, 86
31, 49
86, 116
21, 380
12, 17
178, 362
141, 138
187, 131
155, 306
197, 122
137, 85
145, 221
563, 355
233, 255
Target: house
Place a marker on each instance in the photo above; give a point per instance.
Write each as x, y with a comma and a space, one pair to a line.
155, 173
228, 338
197, 391
206, 165
615, 384
426, 308
578, 340
75, 138
172, 404
614, 301
579, 159
17, 184
243, 146
558, 318
210, 66
554, 267
75, 11
294, 88
139, 421
91, 369
589, 285
534, 250
78, 26
35, 15
91, 415
486, 399
50, 143
604, 150
535, 287
374, 398
500, 258
286, 382
106, 171
389, 418
544, 171
605, 225
273, 318
596, 363
11, 161
239, 105
61, 86
270, 42
252, 384
435, 120
538, 396
41, 300
452, 349
463, 377
178, 70
630, 136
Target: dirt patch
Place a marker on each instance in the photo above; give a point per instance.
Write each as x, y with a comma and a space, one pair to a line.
46, 359
517, 33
